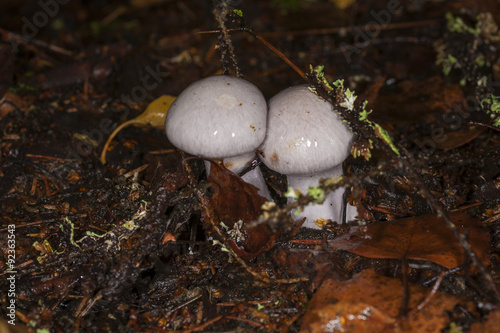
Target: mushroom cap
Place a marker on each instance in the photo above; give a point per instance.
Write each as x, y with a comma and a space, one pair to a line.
304, 134
218, 116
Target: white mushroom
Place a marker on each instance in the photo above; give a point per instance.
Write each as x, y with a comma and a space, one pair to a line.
306, 140
222, 117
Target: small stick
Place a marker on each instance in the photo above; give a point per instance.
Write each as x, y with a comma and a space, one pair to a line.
282, 56
137, 170
335, 30
269, 45
475, 123
50, 157
30, 41
203, 326
406, 291
162, 151
247, 321
430, 296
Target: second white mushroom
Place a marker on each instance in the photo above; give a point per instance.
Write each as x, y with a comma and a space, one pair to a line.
306, 140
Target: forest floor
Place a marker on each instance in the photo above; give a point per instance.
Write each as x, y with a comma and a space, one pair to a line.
136, 244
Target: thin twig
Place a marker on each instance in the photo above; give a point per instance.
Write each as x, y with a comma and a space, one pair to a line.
50, 157
343, 30
204, 325
430, 296
475, 123
247, 321
8, 35
269, 45
282, 56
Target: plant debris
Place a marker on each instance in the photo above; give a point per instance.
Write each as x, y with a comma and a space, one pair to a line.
149, 242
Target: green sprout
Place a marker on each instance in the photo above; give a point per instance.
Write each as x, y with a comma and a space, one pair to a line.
480, 61
92, 234
485, 31
320, 74
222, 246
363, 150
141, 212
348, 103
292, 193
72, 232
42, 330
384, 135
349, 99
363, 115
494, 108
130, 225
339, 83
456, 24
238, 12
485, 26
317, 193
449, 63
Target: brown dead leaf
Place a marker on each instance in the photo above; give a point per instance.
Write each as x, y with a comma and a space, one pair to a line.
316, 265
412, 101
457, 138
7, 60
371, 303
10, 102
423, 237
371, 93
492, 325
235, 200
145, 3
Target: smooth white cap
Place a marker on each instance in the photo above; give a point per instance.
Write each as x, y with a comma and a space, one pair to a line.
217, 117
304, 134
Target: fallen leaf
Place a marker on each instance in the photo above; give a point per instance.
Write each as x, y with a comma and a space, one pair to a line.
489, 326
156, 112
6, 67
412, 101
153, 116
9, 102
235, 200
423, 237
316, 265
371, 93
371, 302
342, 4
145, 3
457, 138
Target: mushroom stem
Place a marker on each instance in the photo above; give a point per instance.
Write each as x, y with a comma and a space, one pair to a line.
236, 164
332, 207
256, 178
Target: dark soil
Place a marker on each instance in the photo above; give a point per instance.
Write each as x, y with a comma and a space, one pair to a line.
128, 247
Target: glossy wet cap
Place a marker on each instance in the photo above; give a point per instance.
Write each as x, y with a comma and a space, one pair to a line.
304, 134
218, 116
